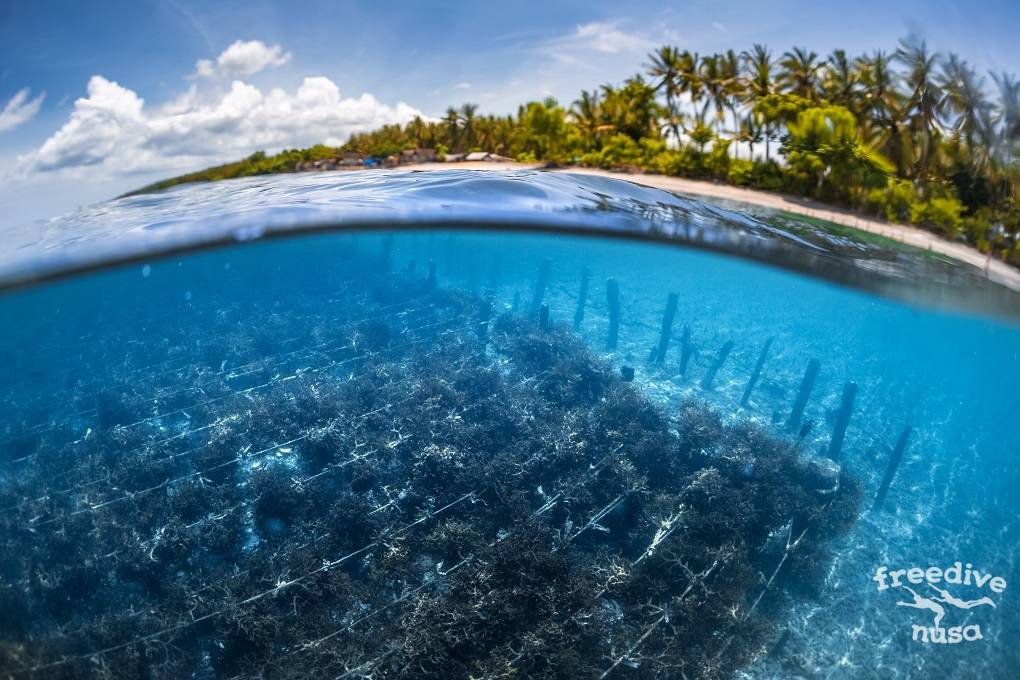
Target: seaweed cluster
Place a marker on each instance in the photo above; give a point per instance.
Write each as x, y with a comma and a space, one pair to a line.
432, 491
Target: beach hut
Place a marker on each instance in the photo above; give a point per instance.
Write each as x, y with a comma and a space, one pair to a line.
417, 156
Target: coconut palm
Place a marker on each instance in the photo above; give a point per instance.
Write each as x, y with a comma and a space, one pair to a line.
758, 68
925, 103
665, 70
733, 86
758, 83
632, 109
798, 72
688, 72
418, 131
963, 97
840, 82
1008, 114
714, 83
452, 128
468, 113
883, 108
586, 114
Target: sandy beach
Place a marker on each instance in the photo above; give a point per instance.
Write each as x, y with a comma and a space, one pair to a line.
994, 269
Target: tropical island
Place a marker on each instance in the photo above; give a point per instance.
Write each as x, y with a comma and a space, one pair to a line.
910, 135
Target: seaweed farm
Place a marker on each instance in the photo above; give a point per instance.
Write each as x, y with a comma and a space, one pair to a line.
476, 453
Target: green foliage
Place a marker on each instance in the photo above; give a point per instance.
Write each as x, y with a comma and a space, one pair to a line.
740, 172
617, 151
940, 214
892, 201
827, 154
541, 132
781, 108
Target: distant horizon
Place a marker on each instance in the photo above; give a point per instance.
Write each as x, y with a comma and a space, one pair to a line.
107, 99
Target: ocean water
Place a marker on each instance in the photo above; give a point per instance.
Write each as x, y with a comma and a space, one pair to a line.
460, 425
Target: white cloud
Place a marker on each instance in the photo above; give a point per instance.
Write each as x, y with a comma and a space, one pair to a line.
20, 109
462, 86
242, 58
606, 37
599, 47
113, 132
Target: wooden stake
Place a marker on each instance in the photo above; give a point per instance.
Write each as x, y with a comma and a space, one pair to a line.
720, 359
803, 394
543, 316
432, 274
894, 463
582, 298
846, 408
756, 374
667, 328
613, 302
686, 350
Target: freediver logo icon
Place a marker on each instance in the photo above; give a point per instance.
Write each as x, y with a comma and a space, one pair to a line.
933, 578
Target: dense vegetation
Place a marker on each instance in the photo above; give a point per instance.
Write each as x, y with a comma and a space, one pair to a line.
392, 483
912, 135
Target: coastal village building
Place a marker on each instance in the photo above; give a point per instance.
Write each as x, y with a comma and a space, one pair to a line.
417, 156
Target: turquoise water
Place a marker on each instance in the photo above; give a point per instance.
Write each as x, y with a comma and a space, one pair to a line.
357, 451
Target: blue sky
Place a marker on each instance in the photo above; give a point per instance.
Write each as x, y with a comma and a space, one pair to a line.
120, 93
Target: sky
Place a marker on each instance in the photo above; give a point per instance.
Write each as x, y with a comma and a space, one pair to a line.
98, 98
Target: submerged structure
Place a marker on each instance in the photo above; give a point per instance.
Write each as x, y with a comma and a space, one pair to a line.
417, 447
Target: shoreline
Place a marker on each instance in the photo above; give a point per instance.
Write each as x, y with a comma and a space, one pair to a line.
994, 269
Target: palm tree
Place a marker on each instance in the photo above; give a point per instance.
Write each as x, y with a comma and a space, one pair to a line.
713, 82
733, 88
925, 101
631, 109
452, 121
883, 108
586, 112
467, 117
798, 72
963, 96
1008, 114
665, 69
417, 130
689, 75
758, 67
840, 81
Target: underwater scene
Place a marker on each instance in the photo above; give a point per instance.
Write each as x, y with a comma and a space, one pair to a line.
471, 432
